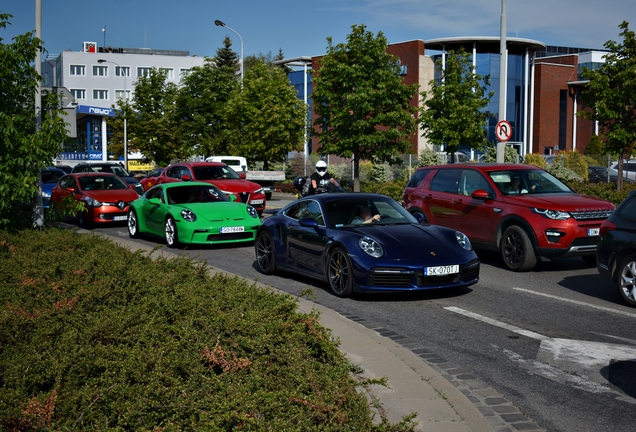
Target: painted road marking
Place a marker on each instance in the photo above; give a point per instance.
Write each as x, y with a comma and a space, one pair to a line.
576, 302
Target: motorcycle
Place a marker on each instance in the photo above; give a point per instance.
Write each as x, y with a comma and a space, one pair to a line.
303, 185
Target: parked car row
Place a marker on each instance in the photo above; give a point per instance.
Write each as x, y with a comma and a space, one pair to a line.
365, 242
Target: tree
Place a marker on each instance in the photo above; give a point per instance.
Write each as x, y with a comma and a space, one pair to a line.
596, 150
362, 104
225, 57
201, 108
267, 118
611, 93
453, 111
24, 151
153, 126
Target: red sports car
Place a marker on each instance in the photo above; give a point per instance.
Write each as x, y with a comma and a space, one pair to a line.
150, 180
220, 175
106, 197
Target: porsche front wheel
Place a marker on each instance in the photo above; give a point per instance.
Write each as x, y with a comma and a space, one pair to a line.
172, 239
133, 224
626, 279
265, 253
340, 273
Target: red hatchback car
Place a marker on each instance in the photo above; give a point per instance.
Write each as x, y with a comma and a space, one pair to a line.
521, 211
106, 197
220, 175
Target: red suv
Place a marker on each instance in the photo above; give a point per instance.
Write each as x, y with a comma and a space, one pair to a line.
520, 210
220, 175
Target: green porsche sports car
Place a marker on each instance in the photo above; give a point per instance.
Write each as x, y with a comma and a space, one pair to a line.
192, 212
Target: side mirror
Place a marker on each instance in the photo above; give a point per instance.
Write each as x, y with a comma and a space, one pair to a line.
481, 195
186, 177
155, 201
419, 216
243, 175
231, 197
70, 189
308, 223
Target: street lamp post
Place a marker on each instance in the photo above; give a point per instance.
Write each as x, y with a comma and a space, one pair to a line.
222, 24
123, 110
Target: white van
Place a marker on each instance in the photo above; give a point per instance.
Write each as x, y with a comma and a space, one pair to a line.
237, 163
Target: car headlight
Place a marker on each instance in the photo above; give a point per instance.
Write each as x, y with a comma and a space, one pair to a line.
258, 191
552, 214
371, 247
92, 202
463, 240
252, 211
188, 216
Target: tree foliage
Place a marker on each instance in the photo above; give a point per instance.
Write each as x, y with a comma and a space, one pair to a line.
453, 110
153, 126
361, 101
201, 108
226, 57
23, 150
611, 92
267, 119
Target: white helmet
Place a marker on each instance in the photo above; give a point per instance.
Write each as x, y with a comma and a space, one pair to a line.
321, 167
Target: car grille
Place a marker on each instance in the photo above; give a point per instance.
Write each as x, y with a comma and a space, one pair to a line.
396, 278
244, 197
595, 214
584, 241
231, 236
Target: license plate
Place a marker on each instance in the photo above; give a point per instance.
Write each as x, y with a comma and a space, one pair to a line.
226, 230
593, 232
120, 218
256, 202
441, 270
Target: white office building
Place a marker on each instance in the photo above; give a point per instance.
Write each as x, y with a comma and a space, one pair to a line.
94, 79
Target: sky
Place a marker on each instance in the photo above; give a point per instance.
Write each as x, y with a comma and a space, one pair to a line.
301, 27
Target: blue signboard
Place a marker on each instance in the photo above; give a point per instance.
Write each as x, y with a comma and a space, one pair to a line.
100, 111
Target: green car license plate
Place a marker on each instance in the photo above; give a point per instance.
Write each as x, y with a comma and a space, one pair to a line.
227, 230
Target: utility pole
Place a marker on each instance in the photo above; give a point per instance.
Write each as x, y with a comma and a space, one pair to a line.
503, 60
38, 208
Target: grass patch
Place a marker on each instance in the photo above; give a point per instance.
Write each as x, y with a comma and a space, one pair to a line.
93, 336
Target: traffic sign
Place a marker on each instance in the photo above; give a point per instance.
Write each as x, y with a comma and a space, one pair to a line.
503, 130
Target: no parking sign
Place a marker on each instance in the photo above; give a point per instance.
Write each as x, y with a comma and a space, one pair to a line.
503, 130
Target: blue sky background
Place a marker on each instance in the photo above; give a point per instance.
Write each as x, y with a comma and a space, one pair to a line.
301, 27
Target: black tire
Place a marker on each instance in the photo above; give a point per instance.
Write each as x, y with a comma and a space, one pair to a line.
626, 279
340, 272
82, 220
172, 239
133, 224
265, 255
517, 250
589, 259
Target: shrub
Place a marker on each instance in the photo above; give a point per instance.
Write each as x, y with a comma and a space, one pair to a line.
95, 337
429, 157
393, 189
606, 191
560, 171
574, 161
536, 160
381, 173
510, 155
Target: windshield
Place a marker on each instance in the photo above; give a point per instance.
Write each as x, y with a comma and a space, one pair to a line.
195, 194
51, 176
378, 210
515, 182
101, 183
214, 173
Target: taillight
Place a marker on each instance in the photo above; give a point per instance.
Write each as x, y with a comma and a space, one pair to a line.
607, 226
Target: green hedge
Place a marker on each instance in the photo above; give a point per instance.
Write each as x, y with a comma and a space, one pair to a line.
95, 337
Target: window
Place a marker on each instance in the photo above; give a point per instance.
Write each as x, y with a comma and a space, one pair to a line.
143, 71
100, 94
120, 94
445, 181
184, 73
470, 181
122, 71
418, 177
78, 70
100, 71
79, 94
168, 71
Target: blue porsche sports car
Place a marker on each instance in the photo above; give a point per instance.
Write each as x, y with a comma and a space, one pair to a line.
364, 243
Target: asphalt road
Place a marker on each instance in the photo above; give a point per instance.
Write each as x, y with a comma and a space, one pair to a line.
557, 342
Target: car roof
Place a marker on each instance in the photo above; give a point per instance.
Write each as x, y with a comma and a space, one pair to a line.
92, 174
484, 166
182, 184
196, 164
337, 196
